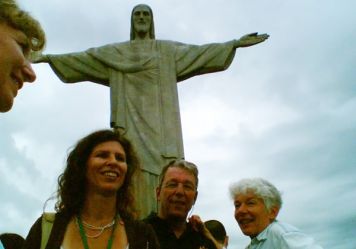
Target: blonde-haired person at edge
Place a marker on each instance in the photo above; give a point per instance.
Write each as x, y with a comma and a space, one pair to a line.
20, 34
257, 203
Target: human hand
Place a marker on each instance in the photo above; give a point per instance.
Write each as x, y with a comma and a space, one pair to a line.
250, 40
199, 226
197, 223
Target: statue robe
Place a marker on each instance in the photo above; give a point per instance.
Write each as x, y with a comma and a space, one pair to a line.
142, 77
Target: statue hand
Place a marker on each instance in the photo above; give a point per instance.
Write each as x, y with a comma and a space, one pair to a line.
38, 57
250, 40
118, 129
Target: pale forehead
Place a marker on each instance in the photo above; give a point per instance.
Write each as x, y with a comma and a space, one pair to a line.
179, 174
109, 145
15, 33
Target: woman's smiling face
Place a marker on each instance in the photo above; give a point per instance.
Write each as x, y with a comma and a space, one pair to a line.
106, 168
252, 215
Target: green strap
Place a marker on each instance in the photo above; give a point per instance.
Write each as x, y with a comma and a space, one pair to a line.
84, 238
47, 224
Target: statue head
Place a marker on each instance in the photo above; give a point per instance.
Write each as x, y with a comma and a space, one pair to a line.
142, 25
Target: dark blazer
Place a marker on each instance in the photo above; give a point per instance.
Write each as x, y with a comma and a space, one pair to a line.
139, 234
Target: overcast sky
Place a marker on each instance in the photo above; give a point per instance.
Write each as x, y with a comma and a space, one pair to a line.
285, 110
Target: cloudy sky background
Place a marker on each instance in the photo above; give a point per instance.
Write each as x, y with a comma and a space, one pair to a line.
285, 110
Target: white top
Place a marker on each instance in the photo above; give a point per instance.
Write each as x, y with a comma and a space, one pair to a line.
280, 235
1, 246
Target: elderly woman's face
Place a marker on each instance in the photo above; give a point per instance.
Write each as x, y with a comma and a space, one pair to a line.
106, 168
142, 19
251, 214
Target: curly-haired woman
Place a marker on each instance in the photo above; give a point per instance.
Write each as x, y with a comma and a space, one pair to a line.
94, 200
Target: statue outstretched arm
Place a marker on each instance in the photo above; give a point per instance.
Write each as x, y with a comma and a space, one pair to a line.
75, 67
250, 40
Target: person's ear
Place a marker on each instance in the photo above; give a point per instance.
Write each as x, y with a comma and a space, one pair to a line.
195, 197
226, 242
273, 213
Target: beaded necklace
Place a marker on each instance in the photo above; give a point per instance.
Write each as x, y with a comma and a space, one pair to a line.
101, 229
84, 236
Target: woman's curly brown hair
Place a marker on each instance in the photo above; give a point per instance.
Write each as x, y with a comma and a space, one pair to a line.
71, 191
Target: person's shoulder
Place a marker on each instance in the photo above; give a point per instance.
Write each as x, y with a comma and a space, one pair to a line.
141, 235
282, 228
159, 225
200, 238
38, 222
138, 227
189, 231
151, 218
288, 235
137, 224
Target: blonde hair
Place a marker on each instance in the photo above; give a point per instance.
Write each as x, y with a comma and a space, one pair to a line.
12, 15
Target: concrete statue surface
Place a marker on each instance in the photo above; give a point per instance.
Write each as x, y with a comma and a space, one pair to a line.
142, 75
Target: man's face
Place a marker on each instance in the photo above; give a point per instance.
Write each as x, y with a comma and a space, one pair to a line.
177, 194
251, 214
15, 68
142, 19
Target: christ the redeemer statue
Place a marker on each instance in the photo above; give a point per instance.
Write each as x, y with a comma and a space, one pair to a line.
142, 75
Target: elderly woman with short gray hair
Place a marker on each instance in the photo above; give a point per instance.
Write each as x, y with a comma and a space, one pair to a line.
257, 203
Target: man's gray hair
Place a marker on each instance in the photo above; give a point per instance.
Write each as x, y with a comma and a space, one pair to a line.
261, 188
183, 164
